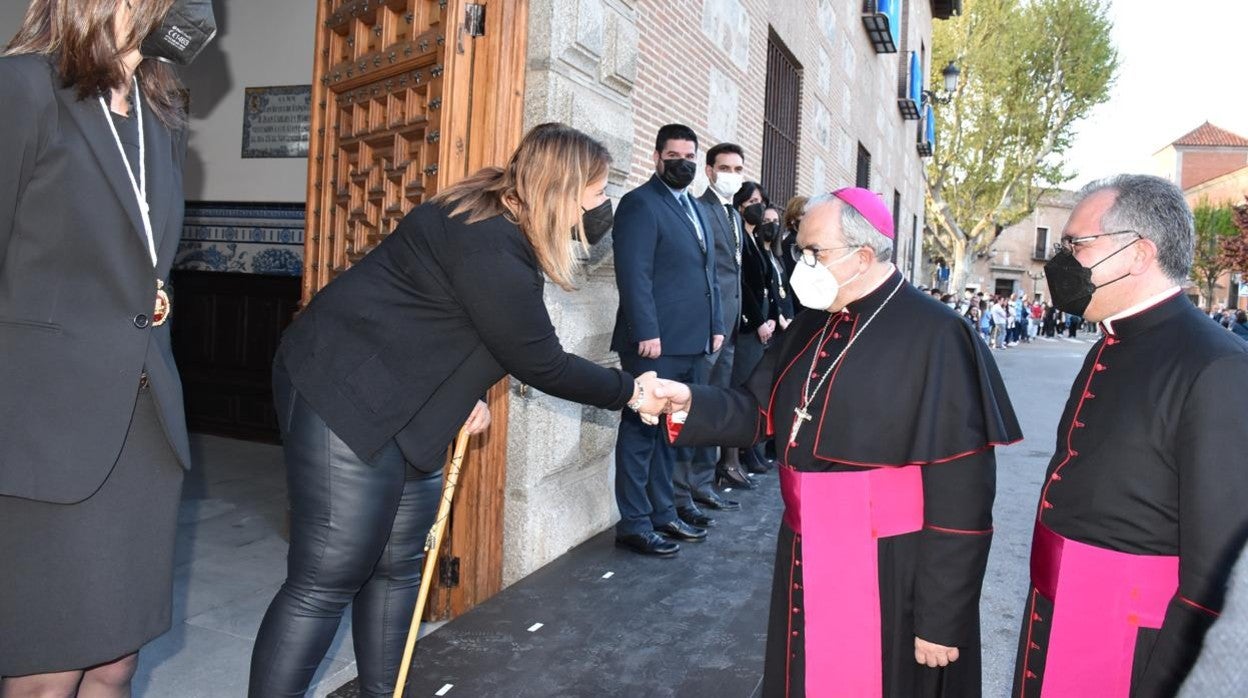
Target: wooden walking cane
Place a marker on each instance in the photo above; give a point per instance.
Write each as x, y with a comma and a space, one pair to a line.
433, 543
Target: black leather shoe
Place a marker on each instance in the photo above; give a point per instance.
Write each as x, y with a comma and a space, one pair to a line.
753, 463
712, 500
695, 517
733, 477
648, 543
760, 467
682, 531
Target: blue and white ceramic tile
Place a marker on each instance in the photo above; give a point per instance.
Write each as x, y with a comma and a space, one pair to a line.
243, 238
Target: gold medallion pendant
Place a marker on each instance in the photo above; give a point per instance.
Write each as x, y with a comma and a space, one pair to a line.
164, 307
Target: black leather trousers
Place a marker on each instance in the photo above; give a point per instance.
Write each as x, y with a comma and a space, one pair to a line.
357, 534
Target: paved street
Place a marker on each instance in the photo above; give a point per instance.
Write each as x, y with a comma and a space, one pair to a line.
231, 554
1038, 376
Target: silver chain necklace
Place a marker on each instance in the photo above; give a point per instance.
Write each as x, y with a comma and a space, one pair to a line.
801, 413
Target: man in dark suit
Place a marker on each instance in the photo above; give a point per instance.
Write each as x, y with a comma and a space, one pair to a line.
725, 169
668, 321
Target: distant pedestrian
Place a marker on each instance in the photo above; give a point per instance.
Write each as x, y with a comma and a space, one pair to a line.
1240, 326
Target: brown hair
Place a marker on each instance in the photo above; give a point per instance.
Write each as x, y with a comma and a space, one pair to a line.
540, 190
79, 37
793, 211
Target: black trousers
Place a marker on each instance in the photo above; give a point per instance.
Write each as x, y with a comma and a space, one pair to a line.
357, 534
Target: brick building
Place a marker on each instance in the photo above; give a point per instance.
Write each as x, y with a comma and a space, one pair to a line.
1210, 163
1015, 261
799, 84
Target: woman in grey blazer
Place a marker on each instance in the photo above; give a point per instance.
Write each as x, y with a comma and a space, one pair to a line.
92, 436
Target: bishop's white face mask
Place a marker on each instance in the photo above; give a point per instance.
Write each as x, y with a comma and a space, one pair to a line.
728, 183
816, 287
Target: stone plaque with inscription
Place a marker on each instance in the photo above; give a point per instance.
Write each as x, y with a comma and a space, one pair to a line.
276, 121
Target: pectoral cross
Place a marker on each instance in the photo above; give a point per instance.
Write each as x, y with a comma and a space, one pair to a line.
799, 415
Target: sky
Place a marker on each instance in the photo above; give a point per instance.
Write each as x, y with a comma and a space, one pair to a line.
1181, 64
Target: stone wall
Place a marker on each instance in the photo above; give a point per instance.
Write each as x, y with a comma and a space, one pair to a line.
619, 69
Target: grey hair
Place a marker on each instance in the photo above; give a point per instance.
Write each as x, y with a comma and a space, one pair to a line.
857, 229
1155, 209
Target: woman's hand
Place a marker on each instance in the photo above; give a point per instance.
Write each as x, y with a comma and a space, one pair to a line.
932, 654
645, 401
479, 420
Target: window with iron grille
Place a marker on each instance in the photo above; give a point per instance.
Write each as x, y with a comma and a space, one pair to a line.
864, 168
780, 121
1042, 244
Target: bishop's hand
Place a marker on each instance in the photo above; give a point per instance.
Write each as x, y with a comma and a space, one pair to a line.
932, 654
676, 396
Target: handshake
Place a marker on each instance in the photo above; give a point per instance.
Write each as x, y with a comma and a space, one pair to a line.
653, 396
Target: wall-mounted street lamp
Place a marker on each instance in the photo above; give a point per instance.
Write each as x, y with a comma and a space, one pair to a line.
950, 75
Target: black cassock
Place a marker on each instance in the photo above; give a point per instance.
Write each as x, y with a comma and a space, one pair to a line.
888, 492
1143, 510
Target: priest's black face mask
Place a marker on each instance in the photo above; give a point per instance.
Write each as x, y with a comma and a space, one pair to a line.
1070, 283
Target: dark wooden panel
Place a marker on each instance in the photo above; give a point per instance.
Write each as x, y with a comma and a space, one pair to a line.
225, 332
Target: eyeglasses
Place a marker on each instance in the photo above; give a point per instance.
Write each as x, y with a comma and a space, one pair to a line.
1071, 244
814, 255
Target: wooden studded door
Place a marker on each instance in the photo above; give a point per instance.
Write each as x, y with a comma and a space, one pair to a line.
408, 97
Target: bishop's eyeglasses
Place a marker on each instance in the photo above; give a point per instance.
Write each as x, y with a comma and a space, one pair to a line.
813, 255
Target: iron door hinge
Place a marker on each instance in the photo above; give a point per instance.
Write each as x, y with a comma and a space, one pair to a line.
474, 19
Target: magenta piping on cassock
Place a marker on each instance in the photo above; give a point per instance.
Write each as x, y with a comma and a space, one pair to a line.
845, 515
1101, 598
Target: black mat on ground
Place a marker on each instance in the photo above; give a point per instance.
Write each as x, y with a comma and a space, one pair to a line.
690, 626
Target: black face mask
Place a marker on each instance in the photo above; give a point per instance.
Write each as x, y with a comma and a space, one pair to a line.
678, 173
767, 232
1070, 283
596, 222
753, 214
187, 29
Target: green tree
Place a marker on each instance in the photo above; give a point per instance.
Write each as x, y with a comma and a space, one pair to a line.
1031, 70
1215, 226
1235, 247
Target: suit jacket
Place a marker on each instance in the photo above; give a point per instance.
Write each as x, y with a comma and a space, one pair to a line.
727, 262
756, 287
401, 345
77, 286
667, 281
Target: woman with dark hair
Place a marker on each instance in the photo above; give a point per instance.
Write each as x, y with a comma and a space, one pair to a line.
760, 307
376, 375
772, 235
92, 436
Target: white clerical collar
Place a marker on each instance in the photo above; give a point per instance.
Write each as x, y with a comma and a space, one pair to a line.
1140, 307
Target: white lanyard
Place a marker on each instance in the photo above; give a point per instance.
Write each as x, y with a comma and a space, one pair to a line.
139, 185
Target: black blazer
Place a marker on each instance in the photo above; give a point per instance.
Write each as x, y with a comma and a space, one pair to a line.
667, 281
727, 266
77, 286
402, 345
756, 287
